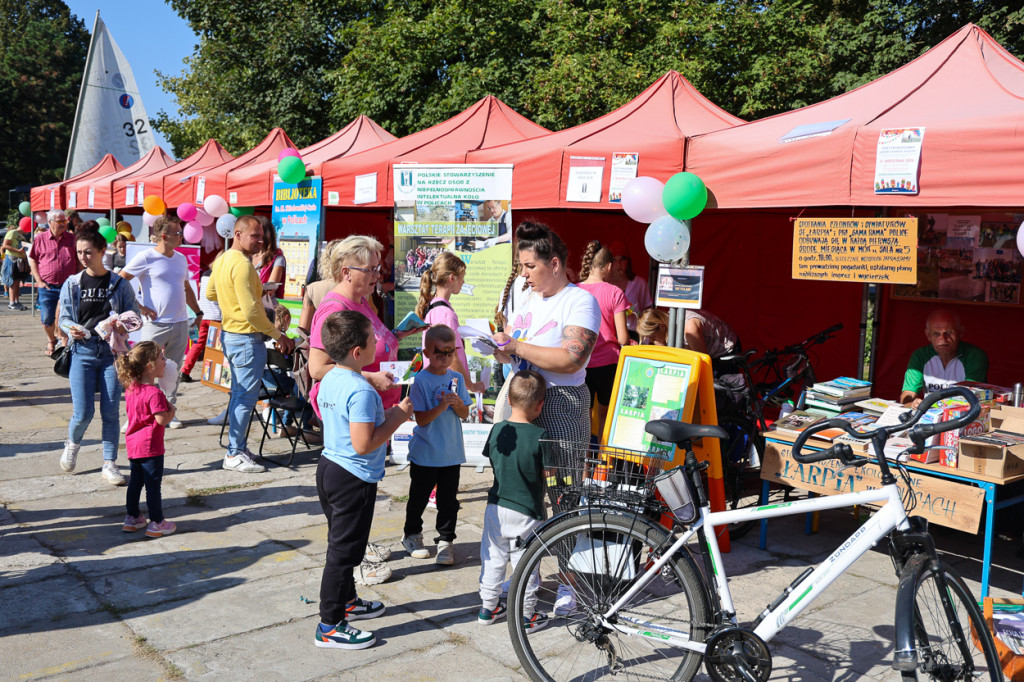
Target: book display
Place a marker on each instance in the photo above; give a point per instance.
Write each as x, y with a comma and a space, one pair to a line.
216, 372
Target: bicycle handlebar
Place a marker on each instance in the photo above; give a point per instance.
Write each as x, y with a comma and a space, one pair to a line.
918, 434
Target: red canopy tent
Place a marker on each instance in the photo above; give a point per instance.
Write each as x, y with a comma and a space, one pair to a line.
253, 185
188, 186
101, 187
655, 124
209, 155
487, 123
967, 93
45, 197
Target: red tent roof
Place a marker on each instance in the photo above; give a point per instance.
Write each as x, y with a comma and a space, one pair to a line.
655, 124
487, 123
968, 95
41, 196
214, 180
102, 186
252, 185
209, 155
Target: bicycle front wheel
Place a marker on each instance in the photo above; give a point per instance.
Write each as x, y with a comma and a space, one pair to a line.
585, 565
950, 635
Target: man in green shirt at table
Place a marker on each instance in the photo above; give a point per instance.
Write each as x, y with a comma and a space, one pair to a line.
947, 361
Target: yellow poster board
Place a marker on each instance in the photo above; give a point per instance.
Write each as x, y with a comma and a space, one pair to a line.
658, 382
878, 250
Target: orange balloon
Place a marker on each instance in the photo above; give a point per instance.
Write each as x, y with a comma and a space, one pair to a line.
154, 205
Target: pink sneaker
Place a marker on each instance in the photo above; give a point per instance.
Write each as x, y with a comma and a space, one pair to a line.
432, 500
133, 523
156, 530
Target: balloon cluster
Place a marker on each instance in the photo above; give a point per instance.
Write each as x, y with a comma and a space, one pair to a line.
668, 209
290, 166
206, 223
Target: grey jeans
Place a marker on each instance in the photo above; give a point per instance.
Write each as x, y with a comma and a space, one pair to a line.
173, 336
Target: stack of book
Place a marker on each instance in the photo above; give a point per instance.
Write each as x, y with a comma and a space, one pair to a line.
795, 422
830, 398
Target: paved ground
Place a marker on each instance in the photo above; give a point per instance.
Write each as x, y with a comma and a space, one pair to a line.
226, 597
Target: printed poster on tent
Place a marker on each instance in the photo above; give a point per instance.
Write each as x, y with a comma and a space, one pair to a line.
296, 214
898, 160
464, 209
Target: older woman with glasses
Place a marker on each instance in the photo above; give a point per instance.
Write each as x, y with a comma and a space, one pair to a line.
355, 267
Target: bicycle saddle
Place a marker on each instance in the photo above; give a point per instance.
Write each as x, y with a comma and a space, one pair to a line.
671, 431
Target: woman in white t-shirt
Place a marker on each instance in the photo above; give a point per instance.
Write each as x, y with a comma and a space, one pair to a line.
554, 333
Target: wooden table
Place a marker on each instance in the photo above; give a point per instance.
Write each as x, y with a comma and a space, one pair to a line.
949, 497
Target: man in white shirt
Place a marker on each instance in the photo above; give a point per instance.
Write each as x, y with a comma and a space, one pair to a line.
164, 279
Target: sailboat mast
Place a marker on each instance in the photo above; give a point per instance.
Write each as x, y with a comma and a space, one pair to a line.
81, 90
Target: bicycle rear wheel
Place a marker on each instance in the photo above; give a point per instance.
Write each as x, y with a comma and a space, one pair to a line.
740, 477
596, 557
950, 635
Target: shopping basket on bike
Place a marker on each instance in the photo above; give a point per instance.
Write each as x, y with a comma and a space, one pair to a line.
583, 474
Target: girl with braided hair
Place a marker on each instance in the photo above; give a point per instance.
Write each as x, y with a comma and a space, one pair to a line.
594, 274
437, 286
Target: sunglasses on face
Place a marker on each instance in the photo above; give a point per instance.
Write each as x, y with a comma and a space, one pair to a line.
172, 234
369, 271
444, 352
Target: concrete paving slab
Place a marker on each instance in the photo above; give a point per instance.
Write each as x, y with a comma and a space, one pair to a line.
42, 605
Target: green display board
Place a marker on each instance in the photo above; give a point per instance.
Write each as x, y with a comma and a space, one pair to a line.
648, 389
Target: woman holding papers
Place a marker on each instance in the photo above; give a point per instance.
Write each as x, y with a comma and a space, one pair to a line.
437, 286
553, 333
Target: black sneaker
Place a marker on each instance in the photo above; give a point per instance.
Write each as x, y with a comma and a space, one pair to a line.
362, 609
342, 636
537, 621
186, 378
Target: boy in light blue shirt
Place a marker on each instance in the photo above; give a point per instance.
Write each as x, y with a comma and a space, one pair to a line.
356, 432
436, 453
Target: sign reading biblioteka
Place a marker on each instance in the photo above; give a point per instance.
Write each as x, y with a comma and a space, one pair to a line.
880, 250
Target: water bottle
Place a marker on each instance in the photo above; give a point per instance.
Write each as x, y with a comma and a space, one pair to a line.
1018, 394
787, 408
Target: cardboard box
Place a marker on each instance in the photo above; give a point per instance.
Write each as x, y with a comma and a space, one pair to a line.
1008, 418
998, 461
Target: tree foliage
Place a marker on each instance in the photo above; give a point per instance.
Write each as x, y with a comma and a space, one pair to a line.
42, 56
312, 66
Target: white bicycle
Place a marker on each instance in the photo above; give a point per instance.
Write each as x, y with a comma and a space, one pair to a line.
651, 604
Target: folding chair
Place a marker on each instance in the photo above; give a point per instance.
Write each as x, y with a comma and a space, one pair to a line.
281, 401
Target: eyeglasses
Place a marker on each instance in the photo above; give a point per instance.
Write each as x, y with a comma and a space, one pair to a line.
59, 221
172, 234
444, 352
369, 271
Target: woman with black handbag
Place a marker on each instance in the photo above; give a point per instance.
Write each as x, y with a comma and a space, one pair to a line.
86, 299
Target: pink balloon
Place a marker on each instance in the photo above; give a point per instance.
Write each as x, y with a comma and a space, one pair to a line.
193, 232
148, 219
641, 199
203, 218
215, 205
187, 212
288, 151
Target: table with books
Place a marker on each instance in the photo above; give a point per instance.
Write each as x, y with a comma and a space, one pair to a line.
953, 486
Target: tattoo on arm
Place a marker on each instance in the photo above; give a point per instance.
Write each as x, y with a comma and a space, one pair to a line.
578, 341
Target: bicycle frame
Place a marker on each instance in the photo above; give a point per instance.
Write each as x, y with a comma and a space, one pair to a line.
891, 516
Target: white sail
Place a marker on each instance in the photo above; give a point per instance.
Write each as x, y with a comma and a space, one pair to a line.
110, 117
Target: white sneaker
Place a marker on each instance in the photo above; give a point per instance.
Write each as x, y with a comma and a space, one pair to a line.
219, 419
174, 423
371, 573
565, 603
376, 554
69, 456
445, 553
413, 544
111, 474
243, 463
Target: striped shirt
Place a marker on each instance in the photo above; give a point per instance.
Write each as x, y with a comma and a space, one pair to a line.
55, 256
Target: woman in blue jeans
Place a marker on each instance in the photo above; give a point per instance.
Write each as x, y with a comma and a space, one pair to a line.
86, 299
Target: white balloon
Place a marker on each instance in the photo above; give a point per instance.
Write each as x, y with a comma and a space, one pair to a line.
149, 219
226, 225
1020, 239
215, 205
667, 239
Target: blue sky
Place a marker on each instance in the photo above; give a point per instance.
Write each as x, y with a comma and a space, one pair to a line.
152, 36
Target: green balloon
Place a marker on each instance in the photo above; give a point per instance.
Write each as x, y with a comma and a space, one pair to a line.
103, 222
239, 211
291, 169
684, 196
108, 233
25, 208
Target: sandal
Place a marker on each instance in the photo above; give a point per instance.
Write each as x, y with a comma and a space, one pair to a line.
50, 347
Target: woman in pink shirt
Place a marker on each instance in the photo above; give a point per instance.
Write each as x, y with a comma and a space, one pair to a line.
594, 273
